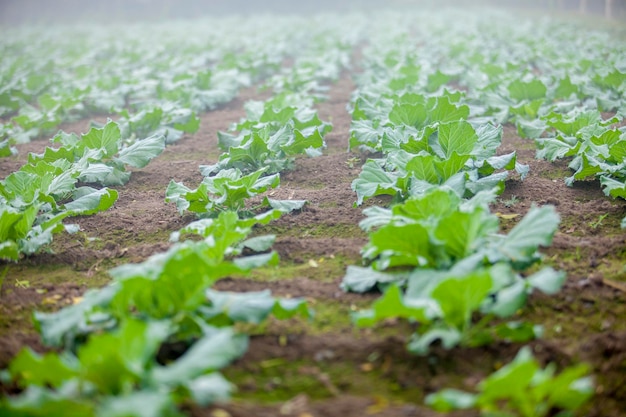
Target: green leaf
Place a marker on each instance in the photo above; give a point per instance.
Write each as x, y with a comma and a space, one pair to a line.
106, 138
423, 168
259, 243
42, 402
391, 305
139, 404
60, 328
445, 111
462, 233
207, 389
94, 202
532, 90
361, 279
250, 307
518, 332
420, 344
536, 229
140, 153
457, 137
449, 400
510, 299
612, 187
460, 297
112, 360
566, 88
547, 280
400, 245
374, 180
284, 206
29, 368
212, 352
409, 114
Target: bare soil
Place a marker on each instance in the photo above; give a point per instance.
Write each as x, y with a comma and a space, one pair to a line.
326, 367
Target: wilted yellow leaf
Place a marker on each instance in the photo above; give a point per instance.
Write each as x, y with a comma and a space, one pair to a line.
380, 404
53, 299
507, 216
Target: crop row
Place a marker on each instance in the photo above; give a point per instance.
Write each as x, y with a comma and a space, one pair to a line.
112, 340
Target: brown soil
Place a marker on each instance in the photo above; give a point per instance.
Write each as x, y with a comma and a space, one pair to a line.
326, 367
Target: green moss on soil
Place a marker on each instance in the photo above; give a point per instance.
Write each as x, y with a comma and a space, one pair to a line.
278, 380
555, 173
324, 269
342, 230
567, 316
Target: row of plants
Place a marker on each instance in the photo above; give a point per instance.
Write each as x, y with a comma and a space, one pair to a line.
67, 181
117, 342
160, 106
437, 251
154, 338
54, 75
267, 141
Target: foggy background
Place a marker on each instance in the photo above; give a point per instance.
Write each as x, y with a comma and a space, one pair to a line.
15, 12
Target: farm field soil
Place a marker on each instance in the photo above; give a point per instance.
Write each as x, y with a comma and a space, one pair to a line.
327, 367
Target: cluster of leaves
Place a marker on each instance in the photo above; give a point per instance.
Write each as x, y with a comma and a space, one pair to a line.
260, 146
522, 389
52, 186
596, 146
449, 256
426, 141
430, 101
115, 340
273, 133
71, 73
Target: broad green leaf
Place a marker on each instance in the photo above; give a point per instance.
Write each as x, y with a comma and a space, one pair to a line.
460, 297
566, 88
207, 389
59, 328
259, 243
94, 202
449, 167
449, 400
457, 137
374, 180
409, 114
423, 168
29, 368
463, 233
445, 111
613, 187
536, 229
406, 245
106, 138
547, 280
360, 279
285, 206
140, 153
532, 90
250, 307
420, 344
510, 299
391, 305
41, 402
139, 404
212, 352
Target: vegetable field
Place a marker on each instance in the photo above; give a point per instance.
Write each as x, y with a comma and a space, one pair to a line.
392, 214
